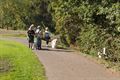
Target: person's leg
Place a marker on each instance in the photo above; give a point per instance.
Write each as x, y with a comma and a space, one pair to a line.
40, 43
32, 45
32, 42
29, 45
47, 42
35, 44
48, 39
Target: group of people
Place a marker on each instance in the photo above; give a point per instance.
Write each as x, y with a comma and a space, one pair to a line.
35, 36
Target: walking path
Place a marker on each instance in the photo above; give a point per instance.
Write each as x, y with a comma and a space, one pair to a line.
66, 65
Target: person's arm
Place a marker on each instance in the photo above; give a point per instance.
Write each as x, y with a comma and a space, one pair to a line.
49, 33
33, 32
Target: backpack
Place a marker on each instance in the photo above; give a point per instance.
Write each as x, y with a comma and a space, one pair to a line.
47, 35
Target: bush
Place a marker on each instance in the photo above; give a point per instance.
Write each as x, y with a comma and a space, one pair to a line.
89, 25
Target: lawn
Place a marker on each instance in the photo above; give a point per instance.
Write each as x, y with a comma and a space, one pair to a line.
18, 62
14, 35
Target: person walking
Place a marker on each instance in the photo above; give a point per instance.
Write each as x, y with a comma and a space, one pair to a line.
36, 34
31, 34
47, 36
38, 38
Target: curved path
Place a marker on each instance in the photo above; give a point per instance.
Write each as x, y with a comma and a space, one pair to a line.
65, 65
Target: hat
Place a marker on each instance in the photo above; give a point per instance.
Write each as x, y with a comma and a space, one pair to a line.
38, 27
46, 28
37, 31
31, 27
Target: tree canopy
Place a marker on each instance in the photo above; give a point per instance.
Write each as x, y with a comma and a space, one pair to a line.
17, 14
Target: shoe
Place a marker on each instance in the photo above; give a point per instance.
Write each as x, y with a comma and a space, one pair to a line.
46, 45
32, 48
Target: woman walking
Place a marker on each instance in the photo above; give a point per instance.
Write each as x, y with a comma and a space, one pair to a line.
47, 36
38, 38
31, 35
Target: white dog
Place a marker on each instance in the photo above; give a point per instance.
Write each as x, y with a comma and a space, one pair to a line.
53, 43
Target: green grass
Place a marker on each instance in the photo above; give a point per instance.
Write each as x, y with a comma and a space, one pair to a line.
14, 35
17, 62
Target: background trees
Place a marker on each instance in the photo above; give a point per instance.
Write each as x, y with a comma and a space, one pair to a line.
88, 24
17, 14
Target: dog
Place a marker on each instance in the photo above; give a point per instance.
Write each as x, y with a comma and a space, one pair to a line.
53, 43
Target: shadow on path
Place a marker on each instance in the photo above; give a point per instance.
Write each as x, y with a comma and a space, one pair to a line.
56, 50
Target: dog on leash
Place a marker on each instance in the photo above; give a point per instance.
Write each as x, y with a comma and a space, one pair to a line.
53, 43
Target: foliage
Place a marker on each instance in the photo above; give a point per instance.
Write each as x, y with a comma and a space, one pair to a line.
89, 25
17, 14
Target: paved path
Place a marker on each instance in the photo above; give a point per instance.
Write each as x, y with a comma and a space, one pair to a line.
66, 65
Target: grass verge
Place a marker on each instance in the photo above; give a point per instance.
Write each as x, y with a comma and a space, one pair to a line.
14, 35
112, 66
17, 62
